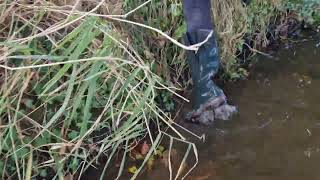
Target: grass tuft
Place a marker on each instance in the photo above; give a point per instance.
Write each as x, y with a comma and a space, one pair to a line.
73, 88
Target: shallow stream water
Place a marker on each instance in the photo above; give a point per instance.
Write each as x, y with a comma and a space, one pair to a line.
276, 134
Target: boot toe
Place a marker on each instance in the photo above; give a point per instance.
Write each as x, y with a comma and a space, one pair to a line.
225, 112
206, 118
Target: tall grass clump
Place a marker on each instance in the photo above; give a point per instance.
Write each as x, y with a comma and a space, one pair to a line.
254, 25
74, 87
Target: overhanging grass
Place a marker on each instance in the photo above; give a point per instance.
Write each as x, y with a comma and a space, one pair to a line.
74, 90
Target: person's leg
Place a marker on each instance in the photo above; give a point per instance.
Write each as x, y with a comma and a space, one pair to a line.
197, 14
209, 101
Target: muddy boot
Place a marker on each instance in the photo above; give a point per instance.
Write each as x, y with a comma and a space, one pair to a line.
209, 101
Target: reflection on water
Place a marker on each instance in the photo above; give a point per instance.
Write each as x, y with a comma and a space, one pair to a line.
277, 132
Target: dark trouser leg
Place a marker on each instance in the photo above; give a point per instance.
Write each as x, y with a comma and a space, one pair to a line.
209, 101
197, 14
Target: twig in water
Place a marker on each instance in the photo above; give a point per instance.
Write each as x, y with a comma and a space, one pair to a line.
257, 51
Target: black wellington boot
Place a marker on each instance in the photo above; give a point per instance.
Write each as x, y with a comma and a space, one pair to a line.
208, 100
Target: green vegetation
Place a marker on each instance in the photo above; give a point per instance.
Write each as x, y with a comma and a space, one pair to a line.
78, 84
253, 22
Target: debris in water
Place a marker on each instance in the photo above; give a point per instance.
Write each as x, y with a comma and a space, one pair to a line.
144, 148
132, 169
309, 132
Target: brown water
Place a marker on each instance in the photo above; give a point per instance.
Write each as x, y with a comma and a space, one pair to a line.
276, 135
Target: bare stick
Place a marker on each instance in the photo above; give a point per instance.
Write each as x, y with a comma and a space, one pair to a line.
194, 47
68, 62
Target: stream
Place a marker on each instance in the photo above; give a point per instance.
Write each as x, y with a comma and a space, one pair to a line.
276, 134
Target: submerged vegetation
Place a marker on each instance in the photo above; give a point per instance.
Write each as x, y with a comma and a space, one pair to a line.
81, 82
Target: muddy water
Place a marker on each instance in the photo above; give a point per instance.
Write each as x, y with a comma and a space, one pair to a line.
276, 135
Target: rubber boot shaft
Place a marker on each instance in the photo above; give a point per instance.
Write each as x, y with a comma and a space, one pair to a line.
204, 65
208, 100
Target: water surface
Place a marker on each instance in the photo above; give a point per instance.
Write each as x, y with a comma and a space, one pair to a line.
276, 135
